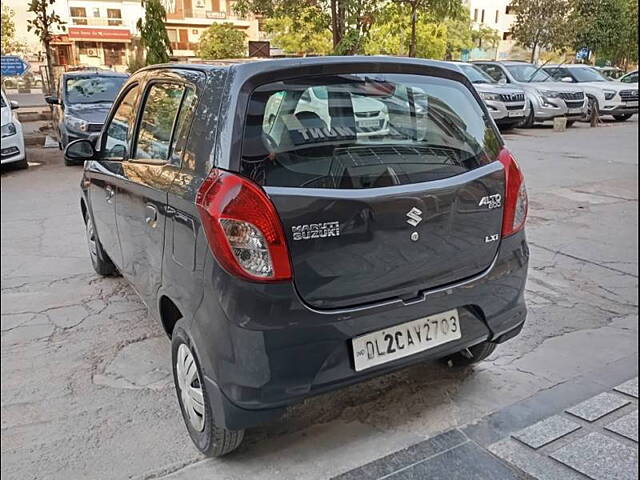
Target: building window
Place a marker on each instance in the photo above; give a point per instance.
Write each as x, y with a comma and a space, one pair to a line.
497, 15
215, 5
510, 10
96, 13
482, 16
172, 34
507, 36
78, 15
475, 15
115, 16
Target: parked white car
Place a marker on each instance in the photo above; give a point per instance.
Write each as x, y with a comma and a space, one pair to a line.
371, 115
617, 99
12, 139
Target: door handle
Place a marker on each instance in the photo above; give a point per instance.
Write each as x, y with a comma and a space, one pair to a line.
109, 192
151, 215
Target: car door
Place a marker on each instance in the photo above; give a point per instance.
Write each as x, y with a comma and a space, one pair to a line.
147, 174
105, 173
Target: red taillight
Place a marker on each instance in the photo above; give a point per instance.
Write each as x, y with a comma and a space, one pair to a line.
515, 202
243, 228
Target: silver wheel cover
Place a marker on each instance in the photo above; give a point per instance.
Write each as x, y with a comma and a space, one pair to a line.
190, 387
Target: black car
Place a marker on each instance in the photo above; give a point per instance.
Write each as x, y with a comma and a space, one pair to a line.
285, 249
82, 102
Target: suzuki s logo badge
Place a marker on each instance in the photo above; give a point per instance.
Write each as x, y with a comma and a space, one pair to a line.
415, 216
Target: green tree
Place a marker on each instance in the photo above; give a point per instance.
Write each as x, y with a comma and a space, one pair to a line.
222, 40
305, 32
8, 29
485, 36
153, 35
435, 9
607, 27
459, 36
43, 25
541, 24
348, 21
393, 31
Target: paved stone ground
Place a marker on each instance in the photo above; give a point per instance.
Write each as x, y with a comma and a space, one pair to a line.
86, 387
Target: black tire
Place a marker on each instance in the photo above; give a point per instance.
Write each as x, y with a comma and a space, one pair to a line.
531, 118
592, 109
22, 164
623, 117
100, 261
478, 353
570, 123
212, 440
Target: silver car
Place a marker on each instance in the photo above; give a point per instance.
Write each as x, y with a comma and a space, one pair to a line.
547, 98
507, 105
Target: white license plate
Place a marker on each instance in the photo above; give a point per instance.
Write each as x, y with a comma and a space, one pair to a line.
574, 110
516, 113
368, 123
406, 339
631, 104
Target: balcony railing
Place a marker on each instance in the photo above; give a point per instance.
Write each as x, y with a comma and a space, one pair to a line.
184, 46
97, 21
192, 13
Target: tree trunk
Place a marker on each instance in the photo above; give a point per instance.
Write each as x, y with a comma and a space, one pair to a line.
414, 20
533, 53
47, 51
334, 23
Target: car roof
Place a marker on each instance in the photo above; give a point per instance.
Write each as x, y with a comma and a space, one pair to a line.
271, 64
97, 73
568, 65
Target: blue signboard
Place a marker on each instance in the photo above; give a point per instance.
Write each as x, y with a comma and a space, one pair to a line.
582, 54
13, 66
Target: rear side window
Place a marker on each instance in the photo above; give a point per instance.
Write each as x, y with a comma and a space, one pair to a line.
363, 131
158, 117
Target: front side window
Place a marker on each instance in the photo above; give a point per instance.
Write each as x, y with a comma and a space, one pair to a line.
92, 89
158, 118
363, 131
118, 133
631, 78
494, 72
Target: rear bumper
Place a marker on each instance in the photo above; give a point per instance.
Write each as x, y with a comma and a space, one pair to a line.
262, 349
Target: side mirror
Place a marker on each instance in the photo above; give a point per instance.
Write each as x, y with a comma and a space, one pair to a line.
566, 79
52, 100
502, 81
80, 150
13, 104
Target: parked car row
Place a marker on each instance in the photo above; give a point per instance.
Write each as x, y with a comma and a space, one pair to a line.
576, 92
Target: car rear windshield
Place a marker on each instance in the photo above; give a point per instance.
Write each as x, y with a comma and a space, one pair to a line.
93, 89
364, 131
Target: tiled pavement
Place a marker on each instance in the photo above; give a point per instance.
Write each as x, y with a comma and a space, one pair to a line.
595, 439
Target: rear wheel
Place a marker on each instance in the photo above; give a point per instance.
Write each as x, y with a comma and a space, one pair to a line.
210, 439
570, 122
101, 262
471, 355
623, 117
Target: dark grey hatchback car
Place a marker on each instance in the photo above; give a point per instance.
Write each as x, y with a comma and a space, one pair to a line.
300, 225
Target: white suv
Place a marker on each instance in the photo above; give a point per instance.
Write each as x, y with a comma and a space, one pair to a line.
619, 100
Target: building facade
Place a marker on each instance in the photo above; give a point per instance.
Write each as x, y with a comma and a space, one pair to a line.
104, 34
498, 15
188, 19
